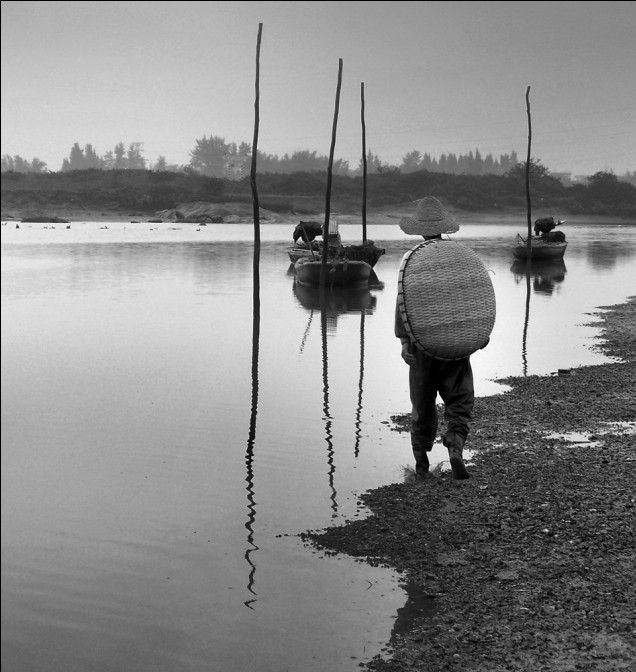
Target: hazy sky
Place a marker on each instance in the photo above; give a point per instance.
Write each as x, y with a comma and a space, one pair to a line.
438, 77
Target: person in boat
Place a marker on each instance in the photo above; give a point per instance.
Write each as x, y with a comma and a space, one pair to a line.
429, 376
307, 231
544, 226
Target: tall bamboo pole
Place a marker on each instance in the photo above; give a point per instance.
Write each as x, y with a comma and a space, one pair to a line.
528, 207
364, 166
529, 239
257, 230
325, 247
256, 322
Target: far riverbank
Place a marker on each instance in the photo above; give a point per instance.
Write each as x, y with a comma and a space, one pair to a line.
233, 212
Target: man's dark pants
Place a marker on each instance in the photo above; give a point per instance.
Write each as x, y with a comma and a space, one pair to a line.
454, 382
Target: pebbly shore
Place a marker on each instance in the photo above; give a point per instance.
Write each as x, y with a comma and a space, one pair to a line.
529, 565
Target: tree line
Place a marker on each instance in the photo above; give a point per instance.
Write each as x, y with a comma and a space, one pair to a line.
215, 157
303, 193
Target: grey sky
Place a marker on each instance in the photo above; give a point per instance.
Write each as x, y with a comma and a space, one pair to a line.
439, 77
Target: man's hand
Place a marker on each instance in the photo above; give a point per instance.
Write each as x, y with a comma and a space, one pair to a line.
407, 354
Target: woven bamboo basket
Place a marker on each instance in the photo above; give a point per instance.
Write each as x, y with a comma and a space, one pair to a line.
446, 299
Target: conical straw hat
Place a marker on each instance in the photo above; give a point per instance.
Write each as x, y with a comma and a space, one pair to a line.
430, 219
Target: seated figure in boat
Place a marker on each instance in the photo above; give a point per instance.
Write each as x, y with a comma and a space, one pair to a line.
307, 231
543, 228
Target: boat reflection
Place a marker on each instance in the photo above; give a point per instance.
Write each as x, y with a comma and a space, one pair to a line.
545, 275
336, 300
251, 545
332, 302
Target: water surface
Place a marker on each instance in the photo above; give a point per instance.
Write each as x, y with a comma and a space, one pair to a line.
165, 438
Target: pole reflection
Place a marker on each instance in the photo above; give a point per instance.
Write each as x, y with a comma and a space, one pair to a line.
331, 468
544, 278
249, 455
333, 302
358, 422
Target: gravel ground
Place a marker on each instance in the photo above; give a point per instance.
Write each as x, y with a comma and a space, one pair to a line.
530, 564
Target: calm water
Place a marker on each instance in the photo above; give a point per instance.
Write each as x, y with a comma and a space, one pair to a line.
163, 443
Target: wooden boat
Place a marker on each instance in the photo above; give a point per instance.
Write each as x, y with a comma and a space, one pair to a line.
312, 249
303, 251
338, 272
541, 248
370, 252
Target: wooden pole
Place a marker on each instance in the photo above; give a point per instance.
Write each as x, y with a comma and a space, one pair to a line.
257, 230
364, 166
256, 328
529, 239
528, 207
325, 247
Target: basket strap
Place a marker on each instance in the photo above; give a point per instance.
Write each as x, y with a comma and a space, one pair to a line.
401, 304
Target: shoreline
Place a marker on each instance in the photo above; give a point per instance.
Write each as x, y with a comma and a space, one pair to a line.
242, 213
527, 565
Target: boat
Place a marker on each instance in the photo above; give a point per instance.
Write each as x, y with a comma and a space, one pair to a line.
338, 272
306, 247
542, 248
368, 252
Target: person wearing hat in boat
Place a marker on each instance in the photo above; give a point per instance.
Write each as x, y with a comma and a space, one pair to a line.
429, 376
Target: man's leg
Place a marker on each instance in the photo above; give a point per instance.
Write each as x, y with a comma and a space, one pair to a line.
457, 391
424, 418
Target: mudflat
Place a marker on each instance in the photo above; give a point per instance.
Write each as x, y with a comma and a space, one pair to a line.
529, 565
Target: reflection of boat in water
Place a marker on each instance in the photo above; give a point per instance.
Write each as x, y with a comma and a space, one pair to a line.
545, 274
330, 304
335, 300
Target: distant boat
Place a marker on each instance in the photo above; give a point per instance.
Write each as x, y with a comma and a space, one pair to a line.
312, 249
546, 244
541, 248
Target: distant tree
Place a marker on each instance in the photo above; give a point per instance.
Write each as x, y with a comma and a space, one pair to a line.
537, 171
237, 160
161, 164
411, 162
489, 165
374, 164
120, 157
508, 161
210, 156
134, 158
17, 164
427, 163
108, 160
75, 160
605, 187
7, 164
629, 177
91, 159
37, 166
475, 163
